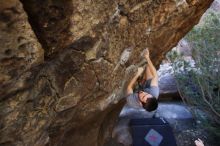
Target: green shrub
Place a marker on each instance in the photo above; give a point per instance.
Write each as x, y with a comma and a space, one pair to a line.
199, 81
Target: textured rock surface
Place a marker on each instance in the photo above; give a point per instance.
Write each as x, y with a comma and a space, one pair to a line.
19, 49
75, 95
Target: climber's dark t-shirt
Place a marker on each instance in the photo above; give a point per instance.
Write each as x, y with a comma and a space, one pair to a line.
132, 99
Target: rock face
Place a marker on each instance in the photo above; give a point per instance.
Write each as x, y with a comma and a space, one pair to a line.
20, 49
71, 93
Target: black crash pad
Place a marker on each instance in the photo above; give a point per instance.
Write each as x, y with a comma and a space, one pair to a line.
152, 132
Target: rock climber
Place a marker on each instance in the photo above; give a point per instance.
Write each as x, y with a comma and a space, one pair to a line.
147, 93
145, 97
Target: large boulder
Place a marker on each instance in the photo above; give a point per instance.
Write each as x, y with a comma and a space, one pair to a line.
92, 49
216, 6
167, 83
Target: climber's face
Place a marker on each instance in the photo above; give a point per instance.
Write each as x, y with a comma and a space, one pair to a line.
143, 96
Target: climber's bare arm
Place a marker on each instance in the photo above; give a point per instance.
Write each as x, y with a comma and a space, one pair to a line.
133, 80
152, 69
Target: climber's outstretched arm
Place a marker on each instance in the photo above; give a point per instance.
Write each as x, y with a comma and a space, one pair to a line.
133, 80
152, 69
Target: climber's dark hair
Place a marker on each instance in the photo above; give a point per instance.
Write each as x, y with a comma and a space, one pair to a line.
151, 104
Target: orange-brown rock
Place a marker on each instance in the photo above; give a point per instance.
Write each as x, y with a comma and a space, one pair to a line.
91, 49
